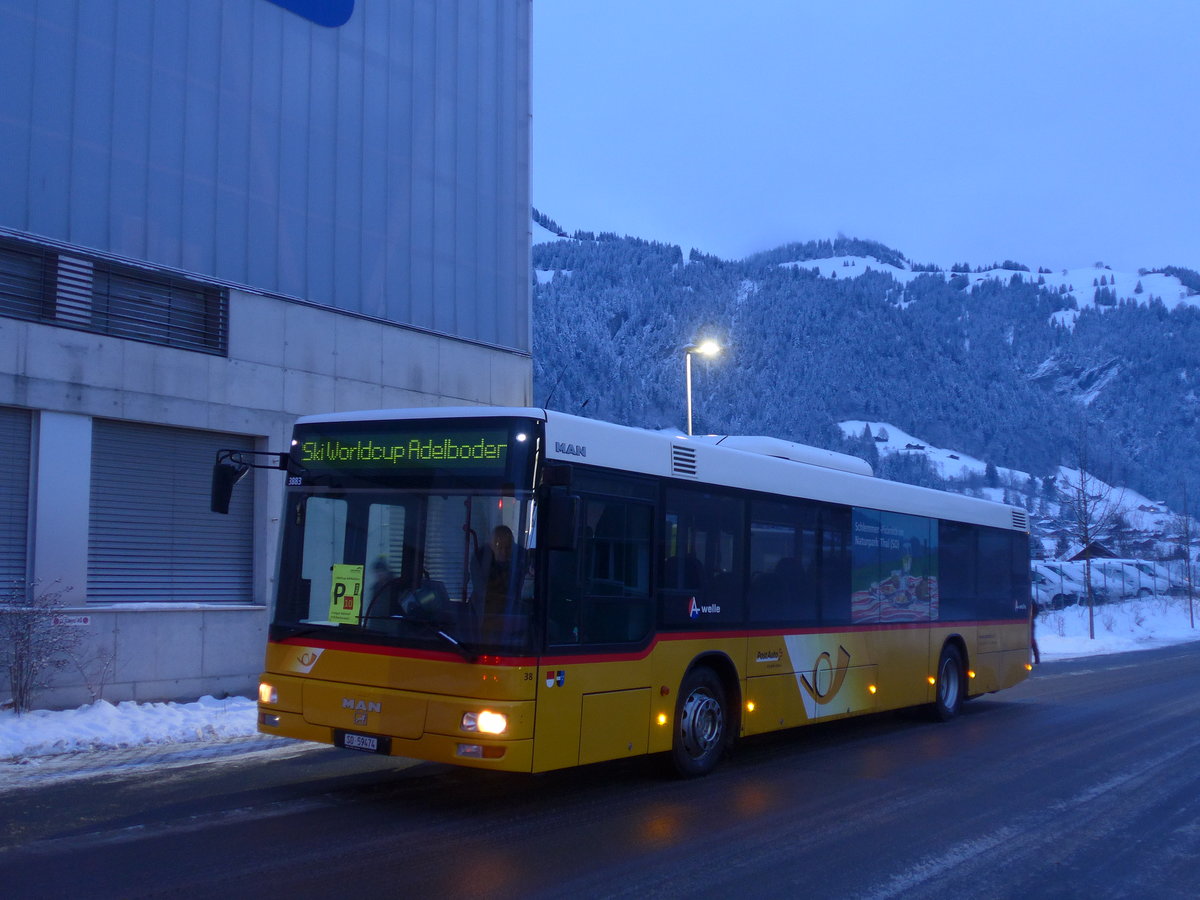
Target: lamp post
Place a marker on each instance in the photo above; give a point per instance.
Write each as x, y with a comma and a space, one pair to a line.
704, 348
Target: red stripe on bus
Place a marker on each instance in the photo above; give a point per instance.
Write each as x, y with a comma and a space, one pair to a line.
629, 656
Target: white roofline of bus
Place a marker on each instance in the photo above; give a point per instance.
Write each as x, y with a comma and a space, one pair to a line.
431, 412
576, 439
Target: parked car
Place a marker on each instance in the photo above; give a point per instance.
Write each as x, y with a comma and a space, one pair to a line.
1115, 579
1053, 587
1073, 572
1153, 577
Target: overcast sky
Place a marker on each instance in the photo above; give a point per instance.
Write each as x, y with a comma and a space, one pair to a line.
1050, 133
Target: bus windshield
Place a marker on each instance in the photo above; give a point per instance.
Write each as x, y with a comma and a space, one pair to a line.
409, 567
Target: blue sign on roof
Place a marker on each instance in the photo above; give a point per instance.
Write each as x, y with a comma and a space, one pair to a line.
330, 13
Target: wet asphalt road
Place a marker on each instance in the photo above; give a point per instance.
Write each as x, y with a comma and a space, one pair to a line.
1082, 782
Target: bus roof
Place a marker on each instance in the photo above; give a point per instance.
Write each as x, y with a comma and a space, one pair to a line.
767, 465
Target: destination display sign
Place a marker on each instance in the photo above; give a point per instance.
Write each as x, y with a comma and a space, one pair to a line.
475, 451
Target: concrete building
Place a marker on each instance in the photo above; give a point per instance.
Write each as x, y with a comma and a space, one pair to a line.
215, 216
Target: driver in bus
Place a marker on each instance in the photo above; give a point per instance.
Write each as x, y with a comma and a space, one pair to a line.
499, 572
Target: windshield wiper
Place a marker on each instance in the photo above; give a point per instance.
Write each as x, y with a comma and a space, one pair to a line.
459, 646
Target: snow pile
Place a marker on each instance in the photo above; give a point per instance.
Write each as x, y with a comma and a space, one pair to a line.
1132, 625
104, 726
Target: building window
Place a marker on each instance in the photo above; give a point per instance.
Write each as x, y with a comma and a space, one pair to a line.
40, 284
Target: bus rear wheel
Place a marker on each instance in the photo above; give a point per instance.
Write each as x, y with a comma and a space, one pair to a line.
701, 723
951, 689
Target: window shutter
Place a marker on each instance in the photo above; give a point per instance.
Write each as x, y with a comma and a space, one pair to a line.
14, 489
152, 536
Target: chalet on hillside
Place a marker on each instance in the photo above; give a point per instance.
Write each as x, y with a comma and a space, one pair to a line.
1094, 550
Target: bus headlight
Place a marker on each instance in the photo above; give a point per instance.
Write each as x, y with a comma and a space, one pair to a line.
267, 695
485, 722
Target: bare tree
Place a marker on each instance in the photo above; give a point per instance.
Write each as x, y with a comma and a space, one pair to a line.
32, 643
1092, 510
1183, 525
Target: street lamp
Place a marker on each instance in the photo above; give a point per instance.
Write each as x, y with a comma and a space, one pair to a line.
704, 348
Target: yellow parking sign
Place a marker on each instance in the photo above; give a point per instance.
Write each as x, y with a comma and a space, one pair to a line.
345, 601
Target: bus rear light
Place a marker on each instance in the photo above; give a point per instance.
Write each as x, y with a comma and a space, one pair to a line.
269, 719
267, 694
478, 751
485, 722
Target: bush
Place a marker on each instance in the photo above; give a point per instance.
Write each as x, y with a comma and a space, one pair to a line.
32, 643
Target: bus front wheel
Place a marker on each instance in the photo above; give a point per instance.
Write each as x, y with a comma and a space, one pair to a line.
701, 723
950, 690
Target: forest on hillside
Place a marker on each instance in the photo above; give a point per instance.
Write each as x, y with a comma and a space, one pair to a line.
987, 369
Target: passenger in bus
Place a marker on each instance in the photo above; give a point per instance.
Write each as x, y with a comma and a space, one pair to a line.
499, 572
381, 574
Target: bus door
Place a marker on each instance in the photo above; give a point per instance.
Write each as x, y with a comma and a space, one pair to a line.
594, 682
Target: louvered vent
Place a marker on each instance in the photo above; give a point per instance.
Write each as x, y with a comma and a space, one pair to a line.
1020, 520
39, 284
683, 461
73, 298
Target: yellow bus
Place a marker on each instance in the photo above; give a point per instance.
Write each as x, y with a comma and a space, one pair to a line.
523, 590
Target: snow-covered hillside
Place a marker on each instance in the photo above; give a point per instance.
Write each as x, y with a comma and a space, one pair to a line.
1080, 284
1143, 515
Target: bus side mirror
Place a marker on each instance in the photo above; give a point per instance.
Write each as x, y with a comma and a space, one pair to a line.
560, 520
224, 476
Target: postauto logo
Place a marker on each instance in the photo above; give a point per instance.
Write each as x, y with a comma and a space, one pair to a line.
330, 13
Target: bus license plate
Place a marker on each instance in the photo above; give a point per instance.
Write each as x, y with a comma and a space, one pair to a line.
367, 743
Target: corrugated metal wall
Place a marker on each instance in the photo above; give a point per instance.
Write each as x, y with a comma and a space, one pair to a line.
368, 167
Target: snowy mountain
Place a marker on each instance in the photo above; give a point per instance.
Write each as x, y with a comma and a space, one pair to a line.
1141, 527
1028, 370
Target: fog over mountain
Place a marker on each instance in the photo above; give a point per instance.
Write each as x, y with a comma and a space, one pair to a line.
1023, 368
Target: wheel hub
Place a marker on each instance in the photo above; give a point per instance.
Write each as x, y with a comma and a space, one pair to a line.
701, 723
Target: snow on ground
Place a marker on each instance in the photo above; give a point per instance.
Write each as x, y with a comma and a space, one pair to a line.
106, 726
1132, 625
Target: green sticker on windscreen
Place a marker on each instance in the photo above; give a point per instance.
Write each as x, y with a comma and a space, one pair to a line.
345, 597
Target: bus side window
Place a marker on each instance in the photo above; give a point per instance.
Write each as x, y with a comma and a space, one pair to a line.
599, 593
958, 560
835, 563
994, 590
783, 563
563, 598
702, 553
